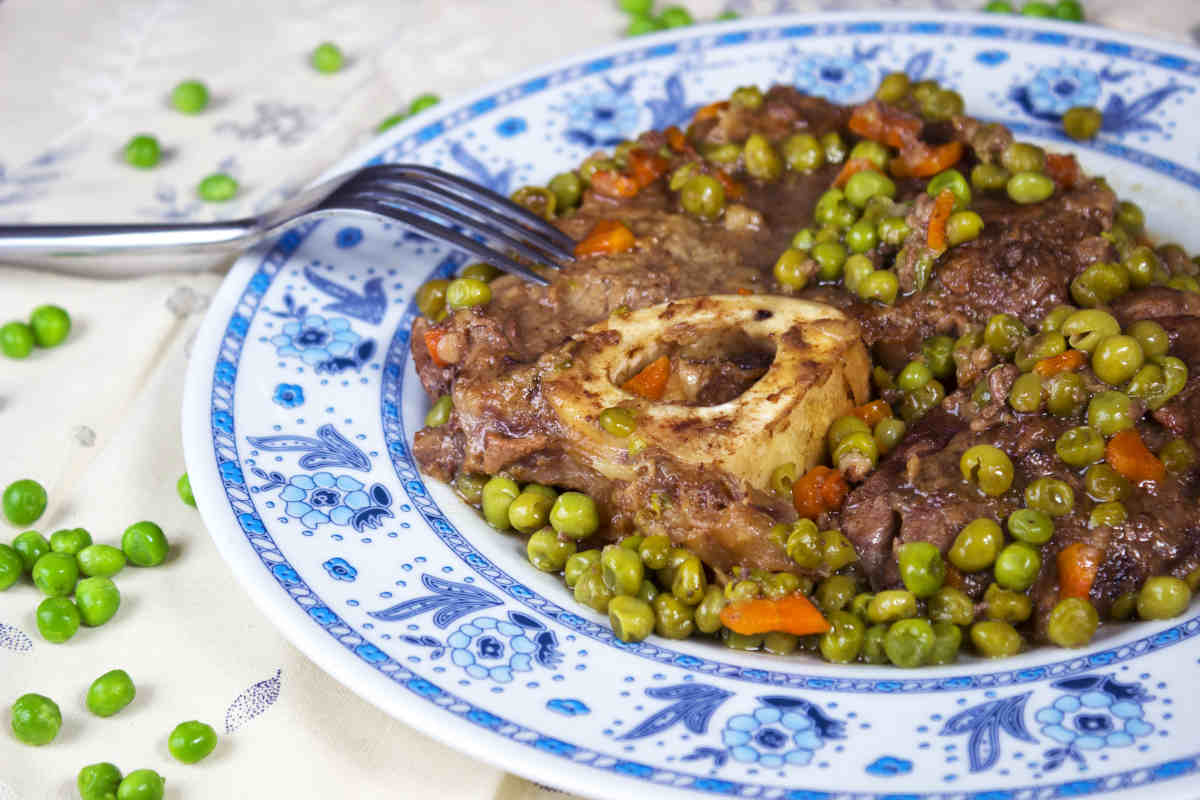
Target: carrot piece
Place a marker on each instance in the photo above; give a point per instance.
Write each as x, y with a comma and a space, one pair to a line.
646, 167
611, 183
606, 236
710, 110
1063, 168
922, 161
1078, 564
873, 120
792, 613
743, 290
676, 140
1066, 361
733, 189
819, 490
853, 166
432, 337
943, 204
871, 413
651, 382
1128, 455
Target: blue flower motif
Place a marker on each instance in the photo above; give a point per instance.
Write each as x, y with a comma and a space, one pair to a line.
568, 706
772, 737
889, 766
340, 570
492, 649
511, 126
836, 78
1054, 90
315, 339
602, 118
288, 395
1093, 720
322, 497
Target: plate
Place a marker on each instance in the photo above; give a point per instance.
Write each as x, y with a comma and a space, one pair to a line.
301, 402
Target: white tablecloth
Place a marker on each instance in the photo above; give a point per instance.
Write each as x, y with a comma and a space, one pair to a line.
97, 420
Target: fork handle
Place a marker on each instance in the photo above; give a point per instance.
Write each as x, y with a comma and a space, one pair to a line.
122, 249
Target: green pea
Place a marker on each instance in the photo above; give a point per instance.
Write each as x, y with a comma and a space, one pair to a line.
1117, 358
143, 151
11, 567
1123, 607
914, 375
1079, 447
964, 226
675, 17
439, 412
881, 286
217, 188
100, 560
648, 591
466, 293
1029, 187
654, 551
1099, 284
861, 237
591, 591
189, 97
1068, 10
1142, 265
24, 501
632, 620
1130, 216
1034, 348
35, 719
843, 427
742, 590
98, 781
909, 642
1066, 393
917, 404
69, 541
1109, 514
843, 641
872, 651
703, 196
110, 693
989, 467
893, 88
1004, 333
183, 488
621, 569
16, 340
55, 574
802, 152
951, 605
947, 640
1051, 496
673, 619
989, 177
327, 58
1005, 605
707, 616
737, 641
835, 593
760, 158
498, 494
830, 258
921, 568
857, 268
574, 514
1104, 484
804, 239
144, 544
50, 325
688, 583
57, 619
804, 544
888, 433
827, 206
191, 741
141, 784
1184, 283
1023, 157
1030, 525
865, 184
1163, 597
781, 481
97, 600
953, 180
977, 545
893, 231
892, 604
1151, 337
921, 90
1017, 566
834, 147
547, 552
995, 639
941, 105
1178, 456
839, 552
793, 269
431, 298
938, 352
1175, 375
1026, 393
780, 644
579, 564
1072, 623
529, 511
1110, 412
567, 188
1082, 122
750, 97
480, 271
856, 454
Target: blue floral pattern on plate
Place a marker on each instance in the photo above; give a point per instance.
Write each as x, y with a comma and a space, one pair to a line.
445, 621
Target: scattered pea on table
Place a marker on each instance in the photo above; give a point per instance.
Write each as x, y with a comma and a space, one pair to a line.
110, 693
327, 58
36, 719
98, 781
189, 97
183, 487
57, 619
141, 784
97, 600
50, 325
144, 544
24, 501
191, 741
16, 340
217, 188
143, 151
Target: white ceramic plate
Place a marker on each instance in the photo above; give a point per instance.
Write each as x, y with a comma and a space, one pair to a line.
301, 402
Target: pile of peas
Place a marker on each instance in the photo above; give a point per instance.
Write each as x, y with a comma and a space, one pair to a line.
48, 326
643, 19
1066, 10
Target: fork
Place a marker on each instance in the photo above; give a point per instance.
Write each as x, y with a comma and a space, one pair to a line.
438, 204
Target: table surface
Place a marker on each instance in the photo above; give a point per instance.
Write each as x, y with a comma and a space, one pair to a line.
97, 420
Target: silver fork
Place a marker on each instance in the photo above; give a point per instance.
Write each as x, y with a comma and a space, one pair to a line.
442, 206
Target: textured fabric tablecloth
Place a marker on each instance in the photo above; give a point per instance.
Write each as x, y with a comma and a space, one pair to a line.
97, 420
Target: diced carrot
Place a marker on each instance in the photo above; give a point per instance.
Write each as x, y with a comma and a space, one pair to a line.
676, 140
432, 337
792, 613
943, 204
1128, 455
607, 236
923, 161
743, 290
646, 167
710, 110
853, 166
611, 183
819, 490
651, 382
871, 413
1063, 168
880, 123
733, 189
1078, 564
1066, 361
